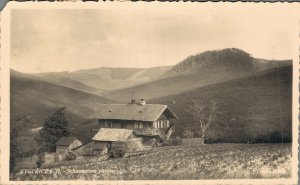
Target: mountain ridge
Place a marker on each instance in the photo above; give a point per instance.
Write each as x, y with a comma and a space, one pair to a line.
99, 80
199, 70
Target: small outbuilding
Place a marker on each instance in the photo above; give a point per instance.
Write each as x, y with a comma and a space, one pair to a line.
92, 148
66, 144
111, 140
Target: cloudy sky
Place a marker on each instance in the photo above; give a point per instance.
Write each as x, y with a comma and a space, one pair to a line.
72, 39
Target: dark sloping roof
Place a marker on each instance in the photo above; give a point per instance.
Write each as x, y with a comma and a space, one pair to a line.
65, 141
95, 145
112, 134
147, 112
73, 149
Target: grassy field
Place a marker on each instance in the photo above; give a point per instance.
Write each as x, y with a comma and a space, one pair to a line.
211, 161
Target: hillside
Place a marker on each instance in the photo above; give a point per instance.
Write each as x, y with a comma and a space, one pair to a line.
100, 80
246, 109
200, 162
37, 100
196, 71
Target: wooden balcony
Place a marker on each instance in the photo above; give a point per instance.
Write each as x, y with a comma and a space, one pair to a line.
151, 132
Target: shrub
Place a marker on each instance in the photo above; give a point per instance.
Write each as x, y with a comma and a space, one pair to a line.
118, 152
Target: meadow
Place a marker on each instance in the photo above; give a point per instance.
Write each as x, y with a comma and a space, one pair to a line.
211, 161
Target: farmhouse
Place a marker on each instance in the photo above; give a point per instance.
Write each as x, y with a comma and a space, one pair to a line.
146, 120
66, 144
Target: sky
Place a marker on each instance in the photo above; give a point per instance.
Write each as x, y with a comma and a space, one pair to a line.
51, 40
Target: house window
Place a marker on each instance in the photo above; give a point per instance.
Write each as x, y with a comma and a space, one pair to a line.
141, 125
155, 125
168, 123
136, 125
108, 123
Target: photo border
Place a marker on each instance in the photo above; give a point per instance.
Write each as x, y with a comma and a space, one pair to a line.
5, 94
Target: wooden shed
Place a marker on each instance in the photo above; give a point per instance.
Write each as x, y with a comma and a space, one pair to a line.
110, 140
66, 144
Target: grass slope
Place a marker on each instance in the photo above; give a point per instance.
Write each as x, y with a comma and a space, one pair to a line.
213, 161
37, 100
246, 109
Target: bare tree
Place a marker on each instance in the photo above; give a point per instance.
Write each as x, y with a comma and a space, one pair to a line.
204, 120
188, 133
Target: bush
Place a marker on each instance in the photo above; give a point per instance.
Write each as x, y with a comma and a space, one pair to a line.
40, 159
118, 152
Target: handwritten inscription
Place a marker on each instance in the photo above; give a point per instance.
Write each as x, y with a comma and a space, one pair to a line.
67, 171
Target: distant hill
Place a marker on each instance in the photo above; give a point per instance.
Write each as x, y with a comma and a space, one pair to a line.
263, 64
196, 71
35, 99
234, 60
60, 79
100, 80
247, 109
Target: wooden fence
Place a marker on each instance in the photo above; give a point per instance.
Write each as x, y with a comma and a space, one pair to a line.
185, 142
193, 141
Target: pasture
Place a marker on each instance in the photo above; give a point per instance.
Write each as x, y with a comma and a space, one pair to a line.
211, 161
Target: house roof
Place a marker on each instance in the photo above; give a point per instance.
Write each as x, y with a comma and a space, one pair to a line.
108, 134
96, 145
147, 112
65, 141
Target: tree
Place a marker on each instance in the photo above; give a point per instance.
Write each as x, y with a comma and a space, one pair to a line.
55, 127
204, 116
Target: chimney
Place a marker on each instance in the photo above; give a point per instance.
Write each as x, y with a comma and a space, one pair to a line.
143, 101
132, 99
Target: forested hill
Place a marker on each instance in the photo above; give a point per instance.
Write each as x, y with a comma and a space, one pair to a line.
247, 109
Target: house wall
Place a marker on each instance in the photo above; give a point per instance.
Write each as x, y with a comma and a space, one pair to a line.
159, 127
162, 122
61, 149
126, 124
51, 158
119, 146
